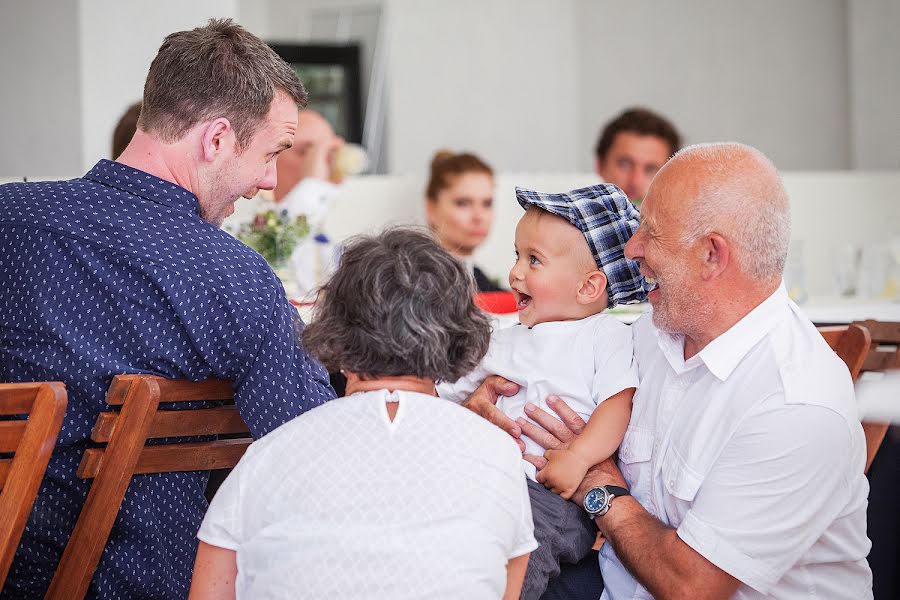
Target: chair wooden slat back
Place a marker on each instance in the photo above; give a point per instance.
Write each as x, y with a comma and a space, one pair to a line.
851, 343
883, 355
885, 352
127, 454
31, 442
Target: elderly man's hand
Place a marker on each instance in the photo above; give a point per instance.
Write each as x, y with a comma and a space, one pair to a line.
557, 434
550, 432
483, 401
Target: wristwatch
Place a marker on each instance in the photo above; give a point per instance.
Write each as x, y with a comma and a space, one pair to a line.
598, 500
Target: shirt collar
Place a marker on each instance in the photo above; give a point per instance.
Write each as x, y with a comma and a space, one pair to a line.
722, 355
132, 181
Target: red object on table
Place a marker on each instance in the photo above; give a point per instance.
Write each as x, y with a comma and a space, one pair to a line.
496, 302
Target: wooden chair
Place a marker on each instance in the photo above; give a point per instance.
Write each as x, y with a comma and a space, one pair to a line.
884, 354
873, 358
127, 454
851, 343
31, 442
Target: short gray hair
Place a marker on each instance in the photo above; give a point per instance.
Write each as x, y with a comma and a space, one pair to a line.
743, 198
399, 304
219, 70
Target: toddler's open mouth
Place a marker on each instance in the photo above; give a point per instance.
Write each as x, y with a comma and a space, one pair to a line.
522, 300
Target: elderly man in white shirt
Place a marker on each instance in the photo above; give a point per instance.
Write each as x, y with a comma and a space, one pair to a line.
744, 456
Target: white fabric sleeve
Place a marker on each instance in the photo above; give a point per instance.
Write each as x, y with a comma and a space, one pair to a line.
460, 390
614, 366
777, 486
525, 541
222, 525
311, 198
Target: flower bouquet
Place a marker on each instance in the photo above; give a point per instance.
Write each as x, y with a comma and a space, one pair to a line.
275, 235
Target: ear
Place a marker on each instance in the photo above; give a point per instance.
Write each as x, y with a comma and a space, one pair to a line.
716, 256
593, 288
598, 166
218, 138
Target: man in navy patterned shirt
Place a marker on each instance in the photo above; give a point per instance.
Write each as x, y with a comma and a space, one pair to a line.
126, 271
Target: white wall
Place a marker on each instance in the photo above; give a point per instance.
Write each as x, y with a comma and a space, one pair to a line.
117, 42
875, 82
498, 78
527, 83
768, 73
40, 105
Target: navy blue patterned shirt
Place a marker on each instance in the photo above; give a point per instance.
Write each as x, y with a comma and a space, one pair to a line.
117, 273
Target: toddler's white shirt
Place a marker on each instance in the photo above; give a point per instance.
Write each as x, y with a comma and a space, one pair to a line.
583, 362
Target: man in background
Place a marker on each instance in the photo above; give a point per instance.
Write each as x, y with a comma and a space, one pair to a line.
632, 148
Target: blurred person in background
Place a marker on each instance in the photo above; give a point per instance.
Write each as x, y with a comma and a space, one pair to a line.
308, 183
632, 148
125, 129
459, 207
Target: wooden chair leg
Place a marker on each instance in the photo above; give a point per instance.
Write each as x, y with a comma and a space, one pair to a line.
85, 546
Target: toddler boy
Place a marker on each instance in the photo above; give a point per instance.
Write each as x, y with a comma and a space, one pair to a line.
570, 266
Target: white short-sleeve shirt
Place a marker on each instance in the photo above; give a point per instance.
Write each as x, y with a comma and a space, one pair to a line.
753, 451
342, 502
584, 362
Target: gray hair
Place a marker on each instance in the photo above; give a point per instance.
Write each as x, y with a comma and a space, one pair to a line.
399, 304
219, 70
743, 198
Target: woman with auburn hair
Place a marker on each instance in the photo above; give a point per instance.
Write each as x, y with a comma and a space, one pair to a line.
459, 207
389, 492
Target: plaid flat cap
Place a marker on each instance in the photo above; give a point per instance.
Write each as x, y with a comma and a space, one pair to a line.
608, 219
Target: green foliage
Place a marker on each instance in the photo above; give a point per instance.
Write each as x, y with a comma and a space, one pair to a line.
274, 235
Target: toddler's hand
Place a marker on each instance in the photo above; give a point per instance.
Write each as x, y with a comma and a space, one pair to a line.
563, 472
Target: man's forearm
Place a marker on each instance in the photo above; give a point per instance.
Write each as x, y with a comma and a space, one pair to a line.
658, 558
643, 544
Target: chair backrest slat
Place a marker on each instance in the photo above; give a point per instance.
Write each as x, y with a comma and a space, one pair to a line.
879, 360
5, 465
171, 390
883, 332
171, 458
18, 398
32, 443
127, 454
178, 423
11, 433
851, 343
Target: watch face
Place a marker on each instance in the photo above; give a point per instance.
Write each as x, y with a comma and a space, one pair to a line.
595, 500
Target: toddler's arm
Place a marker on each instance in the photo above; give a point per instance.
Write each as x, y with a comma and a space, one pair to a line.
603, 433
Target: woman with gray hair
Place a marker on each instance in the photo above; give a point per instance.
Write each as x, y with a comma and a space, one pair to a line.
389, 492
